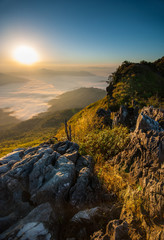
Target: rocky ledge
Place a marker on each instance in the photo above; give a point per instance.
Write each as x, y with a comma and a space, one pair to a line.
143, 161
50, 192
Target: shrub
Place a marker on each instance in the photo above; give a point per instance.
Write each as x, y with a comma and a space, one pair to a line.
105, 142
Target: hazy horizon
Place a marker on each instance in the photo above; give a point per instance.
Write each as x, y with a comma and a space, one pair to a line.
50, 47
24, 100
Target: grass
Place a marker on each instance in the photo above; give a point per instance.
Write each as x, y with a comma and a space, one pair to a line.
27, 140
103, 143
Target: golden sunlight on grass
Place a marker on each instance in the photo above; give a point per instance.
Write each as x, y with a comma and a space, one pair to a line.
25, 55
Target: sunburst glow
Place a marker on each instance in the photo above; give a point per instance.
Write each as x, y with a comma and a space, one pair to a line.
25, 55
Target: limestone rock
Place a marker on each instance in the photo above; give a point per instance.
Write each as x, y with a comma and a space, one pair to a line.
37, 184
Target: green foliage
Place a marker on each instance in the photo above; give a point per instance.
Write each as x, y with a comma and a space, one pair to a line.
84, 121
142, 82
33, 131
28, 139
106, 142
78, 98
93, 137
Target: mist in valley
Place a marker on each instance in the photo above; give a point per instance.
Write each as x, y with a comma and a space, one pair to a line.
24, 94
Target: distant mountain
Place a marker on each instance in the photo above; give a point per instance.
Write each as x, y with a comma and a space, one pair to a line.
78, 98
142, 83
50, 73
9, 79
62, 108
45, 71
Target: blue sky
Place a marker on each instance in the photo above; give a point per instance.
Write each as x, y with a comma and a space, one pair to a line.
84, 32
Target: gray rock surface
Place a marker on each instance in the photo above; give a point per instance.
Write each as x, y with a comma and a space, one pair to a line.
33, 226
37, 184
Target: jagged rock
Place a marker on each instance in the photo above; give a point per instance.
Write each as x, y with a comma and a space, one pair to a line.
126, 116
84, 161
73, 156
42, 171
154, 113
145, 123
28, 231
85, 215
33, 226
45, 174
31, 150
58, 182
72, 147
83, 191
63, 147
85, 222
14, 156
143, 159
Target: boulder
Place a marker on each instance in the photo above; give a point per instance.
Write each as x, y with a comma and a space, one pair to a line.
33, 226
57, 184
145, 123
84, 189
41, 187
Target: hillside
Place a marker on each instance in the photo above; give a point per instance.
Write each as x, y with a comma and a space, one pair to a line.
6, 120
54, 179
127, 147
141, 83
78, 98
107, 182
45, 125
128, 164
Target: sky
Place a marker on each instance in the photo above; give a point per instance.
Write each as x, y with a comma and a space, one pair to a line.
87, 32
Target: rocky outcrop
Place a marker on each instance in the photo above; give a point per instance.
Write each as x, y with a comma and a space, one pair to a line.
126, 116
143, 159
50, 191
37, 182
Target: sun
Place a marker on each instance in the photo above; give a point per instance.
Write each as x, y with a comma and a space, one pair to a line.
25, 55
